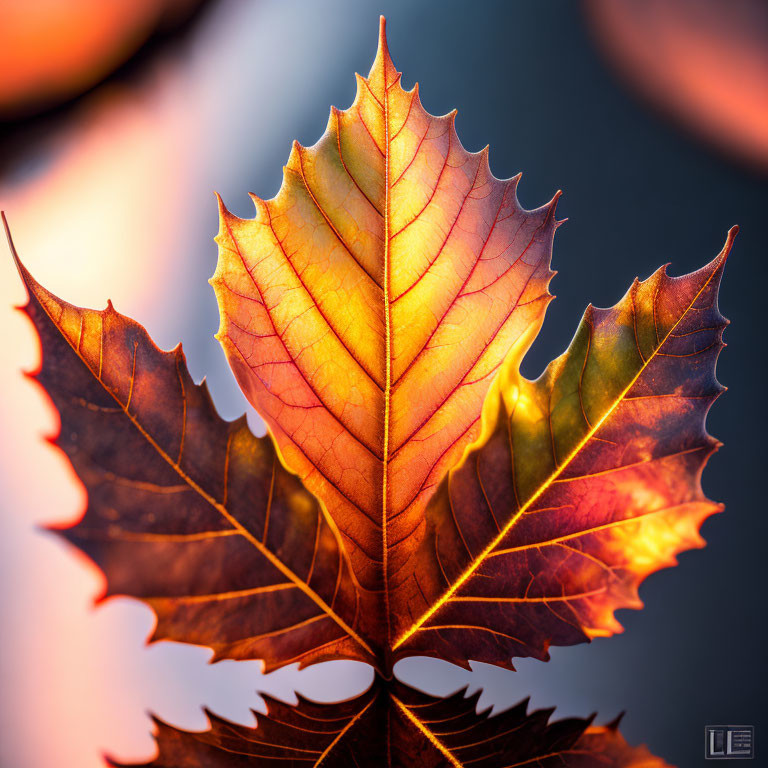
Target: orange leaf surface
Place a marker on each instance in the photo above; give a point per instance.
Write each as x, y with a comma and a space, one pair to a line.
190, 513
582, 483
376, 313
394, 726
366, 309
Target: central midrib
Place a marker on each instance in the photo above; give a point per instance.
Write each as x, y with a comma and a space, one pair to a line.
387, 366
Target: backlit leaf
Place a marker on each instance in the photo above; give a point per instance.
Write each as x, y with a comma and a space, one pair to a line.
394, 726
376, 313
366, 309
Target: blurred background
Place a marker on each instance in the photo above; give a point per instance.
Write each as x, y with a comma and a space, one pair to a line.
118, 121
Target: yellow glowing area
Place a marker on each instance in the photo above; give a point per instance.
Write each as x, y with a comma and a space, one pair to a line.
367, 308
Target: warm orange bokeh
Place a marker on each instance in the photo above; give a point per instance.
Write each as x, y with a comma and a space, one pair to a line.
703, 61
52, 50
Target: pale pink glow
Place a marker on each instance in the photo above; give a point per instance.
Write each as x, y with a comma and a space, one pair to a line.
76, 224
87, 219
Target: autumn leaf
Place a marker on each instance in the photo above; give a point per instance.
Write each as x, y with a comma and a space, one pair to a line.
367, 308
395, 726
416, 494
190, 513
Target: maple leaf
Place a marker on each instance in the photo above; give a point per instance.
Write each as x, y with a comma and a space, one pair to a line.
376, 311
395, 726
190, 513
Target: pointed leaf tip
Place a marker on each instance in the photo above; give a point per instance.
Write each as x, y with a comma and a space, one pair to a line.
29, 282
382, 66
12, 247
383, 46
